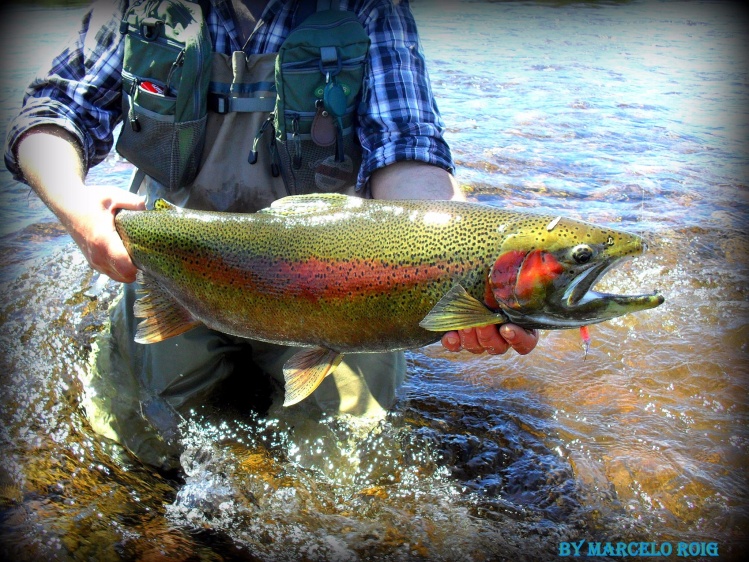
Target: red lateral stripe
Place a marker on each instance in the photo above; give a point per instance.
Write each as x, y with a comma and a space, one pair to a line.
322, 279
315, 278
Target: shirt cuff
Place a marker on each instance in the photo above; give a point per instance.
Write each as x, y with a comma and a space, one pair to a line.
417, 142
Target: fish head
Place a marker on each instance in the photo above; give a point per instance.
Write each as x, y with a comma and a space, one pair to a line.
547, 268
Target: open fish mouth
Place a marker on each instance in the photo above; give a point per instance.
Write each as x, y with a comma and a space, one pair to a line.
579, 295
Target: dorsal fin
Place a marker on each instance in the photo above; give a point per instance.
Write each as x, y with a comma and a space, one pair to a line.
164, 205
312, 203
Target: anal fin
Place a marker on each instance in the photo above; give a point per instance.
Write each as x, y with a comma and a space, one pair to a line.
458, 310
163, 317
304, 372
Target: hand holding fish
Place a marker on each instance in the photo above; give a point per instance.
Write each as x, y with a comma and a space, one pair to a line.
91, 225
494, 340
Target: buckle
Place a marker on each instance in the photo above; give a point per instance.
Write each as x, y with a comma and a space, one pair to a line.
218, 103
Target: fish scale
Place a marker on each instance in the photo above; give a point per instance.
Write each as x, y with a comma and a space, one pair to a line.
341, 274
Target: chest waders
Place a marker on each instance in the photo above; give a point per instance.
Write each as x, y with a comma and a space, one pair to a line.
138, 394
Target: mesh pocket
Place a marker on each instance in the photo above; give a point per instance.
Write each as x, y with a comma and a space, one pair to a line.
318, 171
167, 151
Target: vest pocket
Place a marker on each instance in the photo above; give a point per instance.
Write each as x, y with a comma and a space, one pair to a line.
307, 167
151, 139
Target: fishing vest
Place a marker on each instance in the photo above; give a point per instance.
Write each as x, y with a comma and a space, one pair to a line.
234, 133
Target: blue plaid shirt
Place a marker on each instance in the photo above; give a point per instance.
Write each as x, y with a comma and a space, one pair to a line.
399, 119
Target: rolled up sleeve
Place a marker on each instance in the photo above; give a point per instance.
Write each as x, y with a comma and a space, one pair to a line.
398, 117
81, 92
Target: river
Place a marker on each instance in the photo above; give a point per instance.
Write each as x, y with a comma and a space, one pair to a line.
631, 114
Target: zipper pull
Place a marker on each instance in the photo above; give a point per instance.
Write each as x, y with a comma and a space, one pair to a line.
252, 157
275, 159
335, 101
296, 143
175, 65
133, 118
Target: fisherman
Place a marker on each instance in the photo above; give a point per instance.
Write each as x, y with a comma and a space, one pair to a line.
138, 394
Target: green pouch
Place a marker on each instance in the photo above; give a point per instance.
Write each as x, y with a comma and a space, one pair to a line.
319, 74
165, 76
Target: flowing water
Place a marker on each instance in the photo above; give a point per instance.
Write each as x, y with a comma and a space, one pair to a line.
628, 114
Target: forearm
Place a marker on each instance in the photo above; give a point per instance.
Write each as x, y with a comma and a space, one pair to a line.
414, 180
79, 91
51, 163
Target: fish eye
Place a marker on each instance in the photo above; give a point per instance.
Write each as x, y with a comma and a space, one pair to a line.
582, 253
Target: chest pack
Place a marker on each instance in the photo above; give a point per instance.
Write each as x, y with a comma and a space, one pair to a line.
319, 74
311, 131
165, 76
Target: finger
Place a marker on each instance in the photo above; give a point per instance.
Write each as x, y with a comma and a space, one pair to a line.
130, 201
488, 338
123, 269
121, 261
115, 199
523, 341
115, 265
109, 256
469, 341
451, 341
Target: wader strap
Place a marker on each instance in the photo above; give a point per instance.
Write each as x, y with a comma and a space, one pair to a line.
137, 179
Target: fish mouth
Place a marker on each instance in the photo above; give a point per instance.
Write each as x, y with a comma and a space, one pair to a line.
579, 296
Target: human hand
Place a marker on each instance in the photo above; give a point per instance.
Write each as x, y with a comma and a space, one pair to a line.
492, 339
91, 225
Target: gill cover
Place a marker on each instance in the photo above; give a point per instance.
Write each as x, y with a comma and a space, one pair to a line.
519, 279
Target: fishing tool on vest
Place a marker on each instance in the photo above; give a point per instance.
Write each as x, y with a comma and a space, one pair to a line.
335, 102
165, 75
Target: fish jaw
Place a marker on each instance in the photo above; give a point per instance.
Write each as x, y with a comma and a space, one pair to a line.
569, 300
582, 305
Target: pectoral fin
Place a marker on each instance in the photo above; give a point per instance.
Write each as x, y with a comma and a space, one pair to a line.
163, 317
304, 372
458, 310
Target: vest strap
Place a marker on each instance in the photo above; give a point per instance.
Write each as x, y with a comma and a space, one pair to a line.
223, 104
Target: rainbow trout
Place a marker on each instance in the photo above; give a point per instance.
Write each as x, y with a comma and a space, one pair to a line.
336, 274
